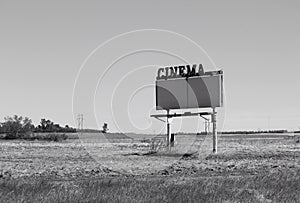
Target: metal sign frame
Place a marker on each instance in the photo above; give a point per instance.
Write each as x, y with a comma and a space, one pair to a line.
213, 115
176, 73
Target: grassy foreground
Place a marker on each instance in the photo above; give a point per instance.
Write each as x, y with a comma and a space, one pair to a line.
274, 187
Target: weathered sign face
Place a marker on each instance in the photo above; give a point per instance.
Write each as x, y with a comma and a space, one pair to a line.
182, 87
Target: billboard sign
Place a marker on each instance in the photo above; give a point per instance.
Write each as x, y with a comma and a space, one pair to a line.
184, 87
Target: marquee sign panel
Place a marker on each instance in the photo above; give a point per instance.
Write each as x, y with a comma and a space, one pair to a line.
200, 91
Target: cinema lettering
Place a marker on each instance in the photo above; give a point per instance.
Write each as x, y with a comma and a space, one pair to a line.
181, 71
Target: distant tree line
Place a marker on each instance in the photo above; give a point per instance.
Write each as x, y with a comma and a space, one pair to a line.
241, 132
49, 126
17, 127
86, 130
255, 132
104, 129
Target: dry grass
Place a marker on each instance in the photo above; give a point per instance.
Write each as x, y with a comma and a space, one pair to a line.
244, 170
274, 187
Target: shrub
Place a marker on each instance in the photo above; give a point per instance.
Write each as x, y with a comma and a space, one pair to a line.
46, 136
51, 136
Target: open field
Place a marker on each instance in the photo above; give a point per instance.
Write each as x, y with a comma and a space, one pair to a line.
247, 168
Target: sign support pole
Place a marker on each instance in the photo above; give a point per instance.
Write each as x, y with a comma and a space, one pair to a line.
215, 133
168, 130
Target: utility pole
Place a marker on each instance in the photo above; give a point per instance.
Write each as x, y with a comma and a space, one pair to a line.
80, 121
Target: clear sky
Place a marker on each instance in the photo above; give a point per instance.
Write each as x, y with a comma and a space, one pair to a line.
256, 43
